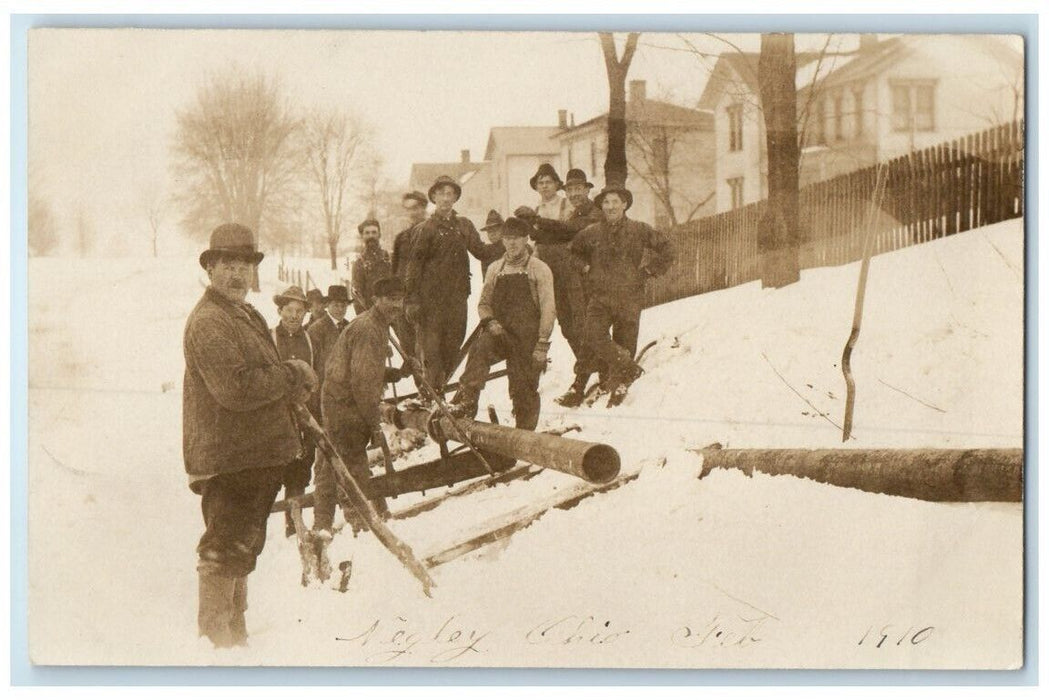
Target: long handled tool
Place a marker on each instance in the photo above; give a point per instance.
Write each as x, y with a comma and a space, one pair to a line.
438, 401
360, 501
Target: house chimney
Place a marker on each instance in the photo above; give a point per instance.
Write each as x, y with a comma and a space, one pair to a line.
573, 119
637, 90
464, 155
562, 118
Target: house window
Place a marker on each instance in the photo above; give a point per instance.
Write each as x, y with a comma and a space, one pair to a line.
735, 186
912, 106
857, 101
735, 127
839, 117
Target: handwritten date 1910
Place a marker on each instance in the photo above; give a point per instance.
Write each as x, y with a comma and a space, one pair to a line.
878, 638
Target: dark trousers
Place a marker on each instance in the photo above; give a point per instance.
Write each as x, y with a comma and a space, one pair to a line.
236, 507
441, 332
621, 314
569, 294
522, 376
349, 436
296, 478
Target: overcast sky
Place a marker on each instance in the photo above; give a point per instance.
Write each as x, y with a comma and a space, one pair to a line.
102, 102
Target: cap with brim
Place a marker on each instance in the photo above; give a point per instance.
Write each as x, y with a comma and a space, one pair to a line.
493, 221
416, 195
515, 227
576, 176
623, 192
292, 293
337, 292
544, 169
390, 287
441, 182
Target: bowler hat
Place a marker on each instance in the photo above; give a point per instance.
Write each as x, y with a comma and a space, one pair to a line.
515, 227
494, 220
315, 295
292, 293
441, 182
416, 195
545, 169
388, 287
337, 292
367, 222
234, 240
615, 188
576, 176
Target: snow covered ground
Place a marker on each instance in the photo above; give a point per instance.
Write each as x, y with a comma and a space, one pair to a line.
667, 571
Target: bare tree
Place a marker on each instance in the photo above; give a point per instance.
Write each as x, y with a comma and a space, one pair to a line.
333, 146
42, 227
659, 149
617, 68
155, 208
778, 235
235, 156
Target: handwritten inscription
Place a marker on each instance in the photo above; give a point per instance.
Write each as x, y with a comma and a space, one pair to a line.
575, 629
739, 630
889, 636
391, 640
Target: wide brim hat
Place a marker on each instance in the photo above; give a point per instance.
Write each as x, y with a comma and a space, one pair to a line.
337, 292
441, 182
545, 169
235, 240
576, 176
622, 191
292, 293
494, 220
368, 222
516, 227
314, 295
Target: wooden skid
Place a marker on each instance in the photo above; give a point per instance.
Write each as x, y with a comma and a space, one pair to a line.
523, 517
440, 472
523, 472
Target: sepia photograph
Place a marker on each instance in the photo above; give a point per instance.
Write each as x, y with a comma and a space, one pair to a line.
526, 349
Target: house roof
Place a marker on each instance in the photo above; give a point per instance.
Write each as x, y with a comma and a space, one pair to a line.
654, 112
521, 140
737, 72
426, 173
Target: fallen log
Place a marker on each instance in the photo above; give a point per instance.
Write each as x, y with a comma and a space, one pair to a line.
943, 475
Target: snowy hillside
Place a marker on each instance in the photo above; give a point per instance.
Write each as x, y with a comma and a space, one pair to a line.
790, 572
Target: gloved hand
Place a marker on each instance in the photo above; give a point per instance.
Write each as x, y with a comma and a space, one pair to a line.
377, 438
495, 328
539, 355
525, 213
305, 380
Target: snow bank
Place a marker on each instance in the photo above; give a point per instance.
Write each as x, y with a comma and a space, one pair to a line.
665, 571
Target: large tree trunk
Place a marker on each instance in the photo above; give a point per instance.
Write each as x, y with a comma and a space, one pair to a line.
615, 158
779, 236
333, 249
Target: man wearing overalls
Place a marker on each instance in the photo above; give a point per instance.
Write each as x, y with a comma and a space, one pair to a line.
517, 311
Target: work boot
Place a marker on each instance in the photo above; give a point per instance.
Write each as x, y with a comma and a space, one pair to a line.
574, 396
238, 627
215, 611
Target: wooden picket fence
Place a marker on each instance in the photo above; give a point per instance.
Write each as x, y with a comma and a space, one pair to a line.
925, 195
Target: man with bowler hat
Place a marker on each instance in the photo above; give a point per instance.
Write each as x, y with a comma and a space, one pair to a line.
293, 343
517, 314
438, 280
353, 386
326, 329
372, 264
238, 430
618, 256
315, 299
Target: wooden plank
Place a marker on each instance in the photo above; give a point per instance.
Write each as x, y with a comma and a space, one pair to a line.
523, 472
505, 526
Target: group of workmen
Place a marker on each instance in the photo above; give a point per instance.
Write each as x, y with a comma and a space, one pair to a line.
581, 262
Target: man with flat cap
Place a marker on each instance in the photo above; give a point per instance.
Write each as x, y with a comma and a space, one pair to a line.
438, 280
293, 343
517, 316
618, 256
237, 428
372, 264
354, 379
